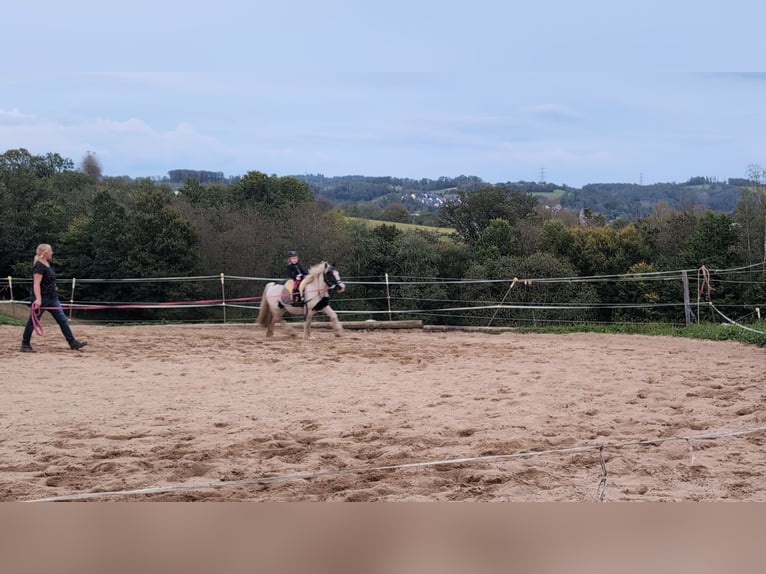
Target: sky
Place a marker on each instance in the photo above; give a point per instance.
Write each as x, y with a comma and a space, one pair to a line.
565, 92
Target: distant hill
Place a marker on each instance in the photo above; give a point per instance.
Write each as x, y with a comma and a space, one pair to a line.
416, 194
613, 200
368, 194
631, 201
351, 189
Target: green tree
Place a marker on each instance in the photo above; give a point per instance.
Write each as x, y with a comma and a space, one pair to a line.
498, 239
665, 232
396, 212
556, 237
382, 256
366, 255
749, 218
213, 196
651, 296
91, 166
472, 212
272, 192
596, 250
416, 260
454, 259
162, 243
526, 285
750, 215
292, 190
38, 196
713, 243
95, 244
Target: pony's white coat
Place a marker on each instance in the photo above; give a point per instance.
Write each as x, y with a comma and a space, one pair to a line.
316, 291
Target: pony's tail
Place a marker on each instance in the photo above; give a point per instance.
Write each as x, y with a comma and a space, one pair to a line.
264, 313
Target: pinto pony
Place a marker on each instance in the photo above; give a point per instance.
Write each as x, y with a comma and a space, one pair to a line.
316, 286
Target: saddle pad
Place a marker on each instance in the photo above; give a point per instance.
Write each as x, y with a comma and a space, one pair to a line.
286, 297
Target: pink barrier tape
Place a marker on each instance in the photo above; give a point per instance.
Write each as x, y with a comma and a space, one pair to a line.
160, 304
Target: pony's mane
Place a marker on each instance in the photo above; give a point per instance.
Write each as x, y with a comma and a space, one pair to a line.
318, 268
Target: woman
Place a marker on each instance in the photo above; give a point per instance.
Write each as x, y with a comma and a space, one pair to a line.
46, 298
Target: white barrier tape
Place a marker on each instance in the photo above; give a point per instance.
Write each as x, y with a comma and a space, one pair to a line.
340, 472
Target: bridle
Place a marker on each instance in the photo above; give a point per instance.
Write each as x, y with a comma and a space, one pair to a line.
331, 278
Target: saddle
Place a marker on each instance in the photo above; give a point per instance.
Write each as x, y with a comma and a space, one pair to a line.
287, 294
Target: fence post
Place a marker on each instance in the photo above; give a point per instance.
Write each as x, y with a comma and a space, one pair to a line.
388, 298
71, 297
687, 305
499, 305
10, 286
223, 299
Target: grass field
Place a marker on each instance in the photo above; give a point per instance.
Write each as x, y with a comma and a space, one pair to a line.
404, 226
556, 194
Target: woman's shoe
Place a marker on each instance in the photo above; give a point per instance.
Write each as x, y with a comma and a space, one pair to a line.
77, 345
27, 348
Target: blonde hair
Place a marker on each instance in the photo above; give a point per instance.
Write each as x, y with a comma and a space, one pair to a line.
42, 249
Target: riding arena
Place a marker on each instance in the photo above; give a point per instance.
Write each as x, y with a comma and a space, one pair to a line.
221, 412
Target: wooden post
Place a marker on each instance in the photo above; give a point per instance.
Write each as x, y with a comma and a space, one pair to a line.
10, 286
687, 305
388, 297
499, 305
223, 299
71, 297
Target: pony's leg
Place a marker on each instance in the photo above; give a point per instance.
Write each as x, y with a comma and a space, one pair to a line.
289, 329
270, 326
286, 324
336, 326
307, 323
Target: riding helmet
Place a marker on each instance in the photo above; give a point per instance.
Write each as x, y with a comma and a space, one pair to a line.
292, 253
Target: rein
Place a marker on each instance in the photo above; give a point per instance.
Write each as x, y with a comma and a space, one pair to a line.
323, 292
38, 326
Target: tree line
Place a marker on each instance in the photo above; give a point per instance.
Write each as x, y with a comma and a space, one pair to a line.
384, 197
371, 196
116, 228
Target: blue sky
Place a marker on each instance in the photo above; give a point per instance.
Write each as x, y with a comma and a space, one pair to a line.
574, 93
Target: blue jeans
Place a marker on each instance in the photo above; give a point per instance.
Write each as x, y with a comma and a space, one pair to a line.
53, 306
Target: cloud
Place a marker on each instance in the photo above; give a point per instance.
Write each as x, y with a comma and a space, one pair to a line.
127, 127
155, 82
553, 112
749, 76
544, 153
124, 147
13, 116
127, 146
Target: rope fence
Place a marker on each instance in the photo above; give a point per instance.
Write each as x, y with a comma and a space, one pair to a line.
524, 300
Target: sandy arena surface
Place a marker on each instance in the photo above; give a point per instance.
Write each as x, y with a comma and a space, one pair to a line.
220, 413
